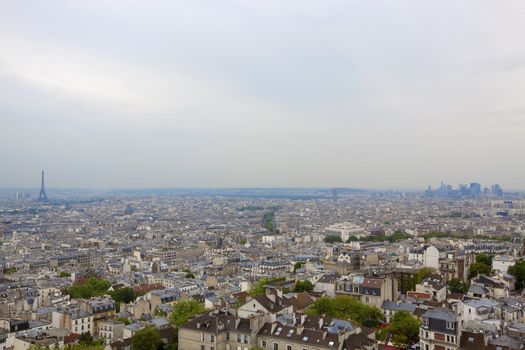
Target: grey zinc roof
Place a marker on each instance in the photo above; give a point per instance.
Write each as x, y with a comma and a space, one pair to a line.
487, 303
390, 305
441, 314
477, 289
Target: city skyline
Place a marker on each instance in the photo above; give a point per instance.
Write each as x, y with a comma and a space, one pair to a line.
280, 94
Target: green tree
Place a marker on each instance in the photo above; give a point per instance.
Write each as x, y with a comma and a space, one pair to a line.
146, 339
91, 288
259, 287
184, 310
484, 259
332, 239
303, 286
85, 338
404, 328
64, 274
422, 274
123, 295
298, 265
518, 271
189, 274
345, 307
455, 285
124, 320
479, 269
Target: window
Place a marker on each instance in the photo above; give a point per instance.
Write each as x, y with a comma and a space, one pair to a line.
275, 346
202, 337
246, 339
263, 344
227, 335
202, 347
238, 338
450, 325
212, 339
424, 322
288, 347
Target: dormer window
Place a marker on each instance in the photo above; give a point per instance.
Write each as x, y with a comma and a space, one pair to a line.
424, 322
450, 325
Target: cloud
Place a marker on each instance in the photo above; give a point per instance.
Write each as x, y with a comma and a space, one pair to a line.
232, 93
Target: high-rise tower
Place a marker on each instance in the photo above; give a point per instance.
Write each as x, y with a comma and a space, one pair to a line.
42, 197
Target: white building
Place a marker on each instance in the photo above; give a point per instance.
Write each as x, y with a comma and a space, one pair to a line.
429, 256
345, 230
502, 263
73, 319
111, 330
476, 310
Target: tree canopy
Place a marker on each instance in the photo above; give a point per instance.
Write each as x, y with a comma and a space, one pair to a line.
345, 307
146, 339
479, 269
518, 271
298, 265
259, 287
189, 274
404, 329
123, 295
422, 273
333, 238
184, 310
93, 287
303, 286
484, 259
455, 285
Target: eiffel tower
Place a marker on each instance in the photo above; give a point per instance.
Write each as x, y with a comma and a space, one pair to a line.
42, 197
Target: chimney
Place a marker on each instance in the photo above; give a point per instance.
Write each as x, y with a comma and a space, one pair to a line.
325, 333
255, 323
274, 325
300, 329
270, 294
198, 324
237, 321
303, 318
321, 321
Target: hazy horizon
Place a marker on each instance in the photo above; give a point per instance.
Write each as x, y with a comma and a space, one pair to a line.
278, 94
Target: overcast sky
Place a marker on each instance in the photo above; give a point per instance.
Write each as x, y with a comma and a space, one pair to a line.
367, 94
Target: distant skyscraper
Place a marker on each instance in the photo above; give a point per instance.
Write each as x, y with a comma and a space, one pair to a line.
475, 189
496, 190
42, 197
